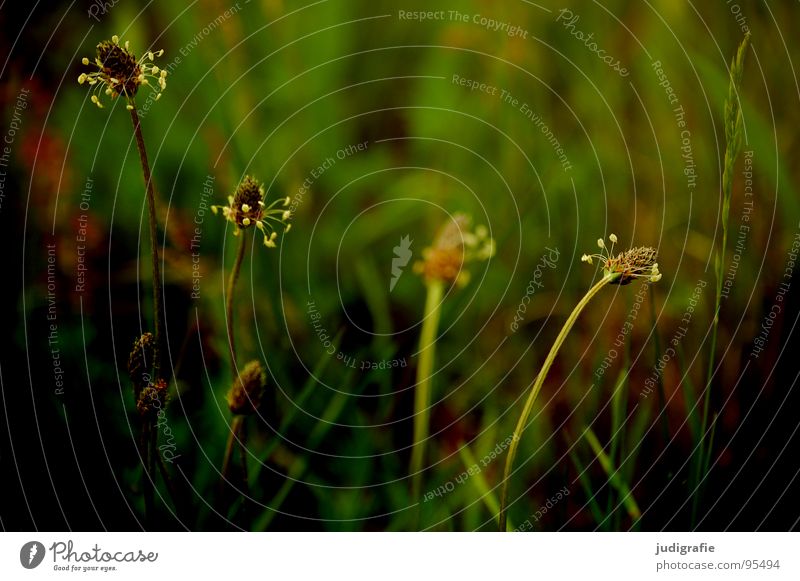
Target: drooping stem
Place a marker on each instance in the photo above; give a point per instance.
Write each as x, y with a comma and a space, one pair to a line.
234, 276
422, 395
158, 308
537, 385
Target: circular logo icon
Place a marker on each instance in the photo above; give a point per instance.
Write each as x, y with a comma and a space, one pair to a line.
31, 554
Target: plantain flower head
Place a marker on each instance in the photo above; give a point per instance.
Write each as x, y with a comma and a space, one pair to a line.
246, 207
639, 262
140, 362
454, 247
245, 395
119, 72
152, 399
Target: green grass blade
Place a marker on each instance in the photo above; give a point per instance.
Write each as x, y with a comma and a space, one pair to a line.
614, 478
662, 395
332, 412
689, 397
586, 485
481, 485
308, 388
618, 404
373, 286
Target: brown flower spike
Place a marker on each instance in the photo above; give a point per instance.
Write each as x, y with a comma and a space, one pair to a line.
454, 247
246, 208
245, 395
140, 362
152, 399
625, 267
119, 72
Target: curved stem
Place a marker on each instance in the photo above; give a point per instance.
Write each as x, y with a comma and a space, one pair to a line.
158, 307
234, 276
537, 385
422, 394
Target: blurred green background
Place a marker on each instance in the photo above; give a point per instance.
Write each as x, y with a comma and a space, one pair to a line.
275, 89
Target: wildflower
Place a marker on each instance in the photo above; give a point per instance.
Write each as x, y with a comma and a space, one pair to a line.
639, 262
119, 72
245, 395
454, 247
621, 269
246, 208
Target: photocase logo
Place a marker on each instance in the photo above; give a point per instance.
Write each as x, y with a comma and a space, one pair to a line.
402, 254
31, 554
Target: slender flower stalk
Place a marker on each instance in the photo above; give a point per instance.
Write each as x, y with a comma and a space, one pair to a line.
422, 395
140, 369
733, 147
119, 73
232, 278
151, 402
158, 307
244, 398
443, 264
233, 438
238, 420
246, 208
622, 269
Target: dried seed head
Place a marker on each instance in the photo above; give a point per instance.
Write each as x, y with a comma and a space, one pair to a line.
639, 262
245, 395
152, 399
246, 208
634, 263
441, 263
140, 362
453, 248
119, 72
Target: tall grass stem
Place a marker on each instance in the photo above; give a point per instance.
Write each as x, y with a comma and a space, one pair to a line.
733, 146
